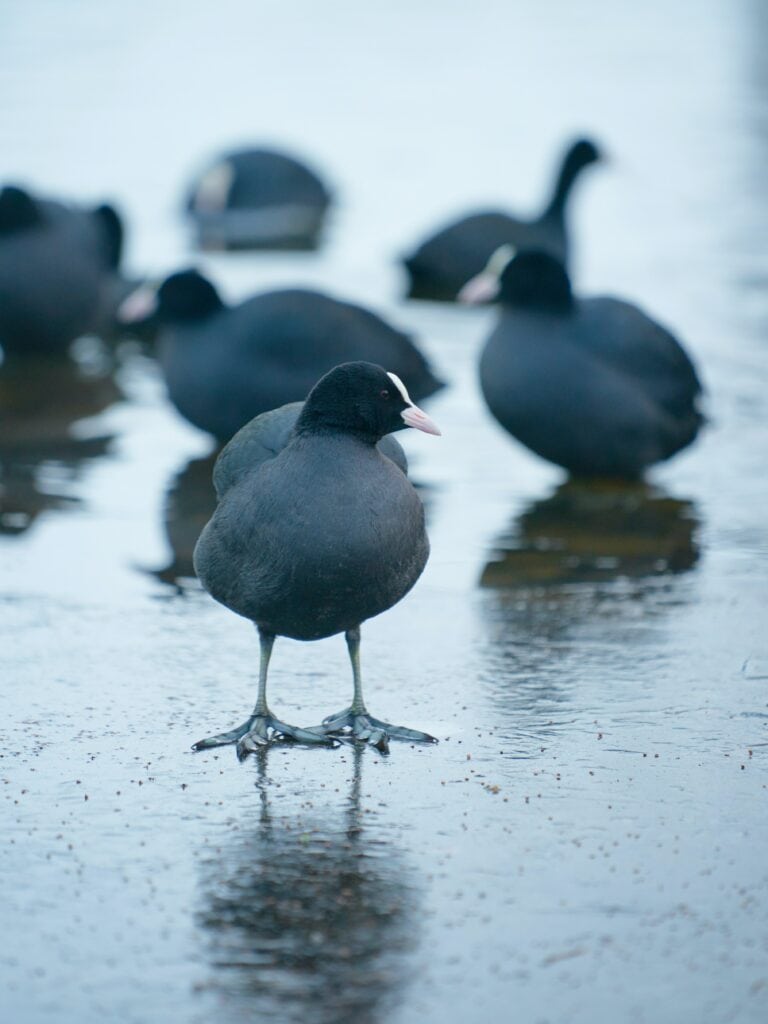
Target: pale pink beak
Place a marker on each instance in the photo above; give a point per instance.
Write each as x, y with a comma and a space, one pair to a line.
415, 417
140, 304
483, 287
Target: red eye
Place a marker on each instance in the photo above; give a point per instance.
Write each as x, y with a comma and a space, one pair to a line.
384, 393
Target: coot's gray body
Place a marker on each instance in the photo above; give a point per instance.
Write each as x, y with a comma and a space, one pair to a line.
606, 392
314, 541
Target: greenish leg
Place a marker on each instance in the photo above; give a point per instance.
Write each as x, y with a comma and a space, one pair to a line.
262, 727
355, 722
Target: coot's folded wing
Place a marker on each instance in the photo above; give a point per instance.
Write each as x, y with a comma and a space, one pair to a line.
264, 437
640, 347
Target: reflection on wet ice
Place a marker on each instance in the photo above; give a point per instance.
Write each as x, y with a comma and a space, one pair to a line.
308, 918
572, 589
40, 455
588, 532
189, 503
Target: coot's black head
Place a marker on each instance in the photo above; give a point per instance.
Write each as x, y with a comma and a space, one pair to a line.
361, 399
529, 279
186, 297
535, 280
581, 153
18, 210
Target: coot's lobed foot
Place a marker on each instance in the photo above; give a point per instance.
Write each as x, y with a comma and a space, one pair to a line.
259, 731
351, 725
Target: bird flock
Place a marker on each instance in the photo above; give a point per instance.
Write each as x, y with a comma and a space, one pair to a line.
317, 527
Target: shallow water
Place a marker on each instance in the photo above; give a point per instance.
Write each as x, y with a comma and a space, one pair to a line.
587, 842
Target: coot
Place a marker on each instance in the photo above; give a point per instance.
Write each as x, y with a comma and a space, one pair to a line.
316, 533
58, 266
258, 199
593, 385
224, 365
443, 263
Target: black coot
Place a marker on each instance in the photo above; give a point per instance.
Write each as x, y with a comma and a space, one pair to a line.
316, 532
58, 271
226, 364
258, 199
593, 385
445, 261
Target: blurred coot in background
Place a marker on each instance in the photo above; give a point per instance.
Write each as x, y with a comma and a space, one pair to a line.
258, 199
445, 261
59, 271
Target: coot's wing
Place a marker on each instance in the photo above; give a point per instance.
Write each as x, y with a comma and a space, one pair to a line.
263, 177
256, 178
626, 338
258, 441
264, 437
445, 261
392, 448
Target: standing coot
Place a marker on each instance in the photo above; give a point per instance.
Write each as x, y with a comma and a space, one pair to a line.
226, 364
317, 533
448, 259
593, 385
258, 199
58, 271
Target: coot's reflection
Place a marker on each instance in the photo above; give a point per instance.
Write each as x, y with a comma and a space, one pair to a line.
189, 504
572, 591
307, 919
40, 455
587, 532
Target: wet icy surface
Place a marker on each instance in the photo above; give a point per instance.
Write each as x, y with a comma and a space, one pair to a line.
588, 841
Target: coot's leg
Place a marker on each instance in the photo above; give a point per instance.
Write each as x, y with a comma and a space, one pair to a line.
262, 726
356, 723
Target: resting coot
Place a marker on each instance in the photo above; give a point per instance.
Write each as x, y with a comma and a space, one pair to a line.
58, 270
258, 199
593, 385
223, 365
316, 533
448, 259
